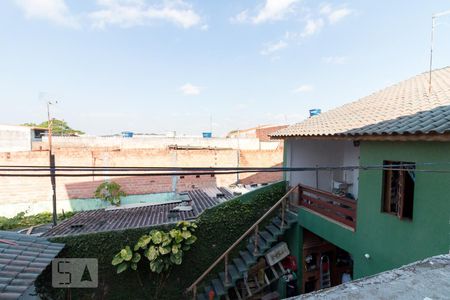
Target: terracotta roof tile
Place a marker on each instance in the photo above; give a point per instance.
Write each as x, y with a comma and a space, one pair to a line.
385, 108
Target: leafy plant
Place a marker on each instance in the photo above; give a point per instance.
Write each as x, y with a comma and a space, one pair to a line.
162, 249
21, 220
110, 191
59, 127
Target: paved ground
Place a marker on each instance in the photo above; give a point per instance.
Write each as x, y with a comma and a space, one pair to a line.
425, 280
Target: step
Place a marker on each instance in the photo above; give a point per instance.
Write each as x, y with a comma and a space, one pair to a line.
240, 265
262, 243
269, 238
202, 296
233, 275
248, 258
218, 287
277, 222
274, 230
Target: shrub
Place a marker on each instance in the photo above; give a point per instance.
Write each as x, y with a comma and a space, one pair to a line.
110, 191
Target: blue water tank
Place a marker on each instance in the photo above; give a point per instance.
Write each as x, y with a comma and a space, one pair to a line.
314, 112
207, 135
127, 134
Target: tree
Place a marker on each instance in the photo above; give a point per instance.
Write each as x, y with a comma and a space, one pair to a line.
59, 127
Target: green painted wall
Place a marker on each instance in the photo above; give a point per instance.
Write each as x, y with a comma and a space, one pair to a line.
389, 241
392, 242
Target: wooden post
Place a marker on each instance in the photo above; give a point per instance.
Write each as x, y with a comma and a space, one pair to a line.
256, 240
194, 293
300, 195
226, 269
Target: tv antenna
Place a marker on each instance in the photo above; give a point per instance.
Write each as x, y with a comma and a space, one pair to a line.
433, 25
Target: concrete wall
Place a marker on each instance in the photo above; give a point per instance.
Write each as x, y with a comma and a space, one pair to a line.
15, 138
20, 194
322, 153
159, 143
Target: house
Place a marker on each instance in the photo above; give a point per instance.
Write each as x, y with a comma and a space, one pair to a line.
19, 138
376, 196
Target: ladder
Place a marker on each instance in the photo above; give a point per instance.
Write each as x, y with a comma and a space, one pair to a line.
325, 279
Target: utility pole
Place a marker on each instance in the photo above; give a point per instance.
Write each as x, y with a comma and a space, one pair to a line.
433, 25
238, 156
52, 161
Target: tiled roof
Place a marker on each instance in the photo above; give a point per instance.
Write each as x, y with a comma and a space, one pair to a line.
101, 220
22, 259
406, 98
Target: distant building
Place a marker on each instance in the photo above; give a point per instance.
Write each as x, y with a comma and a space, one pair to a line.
19, 138
261, 132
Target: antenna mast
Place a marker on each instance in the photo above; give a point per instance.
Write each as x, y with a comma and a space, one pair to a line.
433, 24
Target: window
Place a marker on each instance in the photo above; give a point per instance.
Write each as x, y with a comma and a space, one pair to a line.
398, 188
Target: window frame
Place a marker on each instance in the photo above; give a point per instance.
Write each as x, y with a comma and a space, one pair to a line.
403, 195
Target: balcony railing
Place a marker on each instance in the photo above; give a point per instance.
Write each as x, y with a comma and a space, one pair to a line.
335, 207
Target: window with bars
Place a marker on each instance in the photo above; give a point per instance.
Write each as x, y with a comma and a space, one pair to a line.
398, 188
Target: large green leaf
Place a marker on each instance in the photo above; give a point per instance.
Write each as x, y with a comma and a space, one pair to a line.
164, 250
151, 253
175, 248
176, 259
122, 267
142, 242
157, 237
136, 258
117, 259
157, 265
191, 240
186, 247
166, 240
126, 253
186, 234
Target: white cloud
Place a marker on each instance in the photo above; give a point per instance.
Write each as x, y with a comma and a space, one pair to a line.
190, 89
335, 15
335, 60
273, 47
240, 17
272, 10
304, 88
55, 11
128, 13
312, 27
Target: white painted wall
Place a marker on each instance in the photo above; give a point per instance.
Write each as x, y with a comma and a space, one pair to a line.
15, 138
163, 142
322, 153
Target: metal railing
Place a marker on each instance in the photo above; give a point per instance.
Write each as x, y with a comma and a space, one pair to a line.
335, 207
283, 202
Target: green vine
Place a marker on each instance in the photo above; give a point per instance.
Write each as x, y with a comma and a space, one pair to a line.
110, 191
162, 249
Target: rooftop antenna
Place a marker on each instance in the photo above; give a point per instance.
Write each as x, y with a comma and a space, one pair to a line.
433, 25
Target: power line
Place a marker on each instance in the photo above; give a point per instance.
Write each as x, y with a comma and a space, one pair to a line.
169, 171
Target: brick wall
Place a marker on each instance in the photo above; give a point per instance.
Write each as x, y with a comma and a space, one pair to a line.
30, 190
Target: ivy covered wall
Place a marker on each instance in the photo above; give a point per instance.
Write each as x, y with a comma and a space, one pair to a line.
218, 228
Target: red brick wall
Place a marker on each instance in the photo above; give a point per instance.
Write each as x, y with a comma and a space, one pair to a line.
20, 189
263, 133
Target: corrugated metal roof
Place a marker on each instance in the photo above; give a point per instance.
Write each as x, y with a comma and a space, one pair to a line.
406, 98
101, 220
22, 259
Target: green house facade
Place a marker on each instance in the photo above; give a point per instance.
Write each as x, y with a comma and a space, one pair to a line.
374, 189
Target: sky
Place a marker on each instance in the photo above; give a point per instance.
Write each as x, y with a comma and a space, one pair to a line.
188, 65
